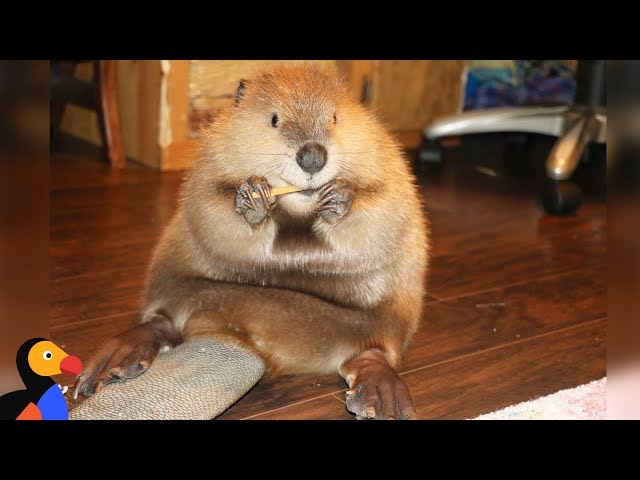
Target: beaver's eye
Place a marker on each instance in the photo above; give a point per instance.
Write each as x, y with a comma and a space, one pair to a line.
335, 118
275, 121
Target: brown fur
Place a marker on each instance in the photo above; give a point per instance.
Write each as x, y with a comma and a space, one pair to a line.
374, 261
307, 294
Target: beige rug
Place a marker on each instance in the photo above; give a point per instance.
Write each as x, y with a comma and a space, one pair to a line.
586, 402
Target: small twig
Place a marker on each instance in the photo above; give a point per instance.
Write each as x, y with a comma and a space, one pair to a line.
280, 191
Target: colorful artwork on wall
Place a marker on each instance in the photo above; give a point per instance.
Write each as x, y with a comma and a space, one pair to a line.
500, 83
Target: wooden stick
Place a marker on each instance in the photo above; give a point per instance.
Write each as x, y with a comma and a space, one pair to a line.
280, 191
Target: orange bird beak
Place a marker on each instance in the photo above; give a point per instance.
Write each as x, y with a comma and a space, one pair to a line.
71, 366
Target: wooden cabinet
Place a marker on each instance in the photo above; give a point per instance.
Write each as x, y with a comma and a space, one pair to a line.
408, 94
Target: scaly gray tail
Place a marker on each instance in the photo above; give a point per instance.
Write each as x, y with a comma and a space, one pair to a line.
197, 380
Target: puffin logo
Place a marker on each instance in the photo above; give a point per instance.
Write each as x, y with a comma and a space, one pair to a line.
43, 399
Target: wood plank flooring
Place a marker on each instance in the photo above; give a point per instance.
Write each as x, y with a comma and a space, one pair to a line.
516, 305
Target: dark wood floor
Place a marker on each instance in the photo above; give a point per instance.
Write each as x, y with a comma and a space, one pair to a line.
516, 305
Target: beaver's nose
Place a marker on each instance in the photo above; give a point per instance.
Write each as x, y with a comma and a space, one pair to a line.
312, 157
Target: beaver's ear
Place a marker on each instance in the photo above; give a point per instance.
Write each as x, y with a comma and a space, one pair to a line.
240, 92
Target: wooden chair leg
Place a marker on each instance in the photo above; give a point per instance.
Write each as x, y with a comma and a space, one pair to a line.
59, 70
110, 114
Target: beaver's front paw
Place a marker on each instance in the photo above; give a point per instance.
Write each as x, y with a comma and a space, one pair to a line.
254, 210
334, 200
126, 355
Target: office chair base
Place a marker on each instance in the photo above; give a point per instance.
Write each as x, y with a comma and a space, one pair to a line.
429, 153
561, 197
576, 126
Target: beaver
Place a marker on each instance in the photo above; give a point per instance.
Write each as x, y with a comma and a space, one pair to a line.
328, 279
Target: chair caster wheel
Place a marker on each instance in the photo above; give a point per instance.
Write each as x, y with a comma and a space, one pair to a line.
429, 153
561, 197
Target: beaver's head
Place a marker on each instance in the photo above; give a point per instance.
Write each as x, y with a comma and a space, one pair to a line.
295, 125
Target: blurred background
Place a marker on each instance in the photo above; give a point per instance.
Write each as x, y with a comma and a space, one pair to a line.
152, 112
162, 105
24, 209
